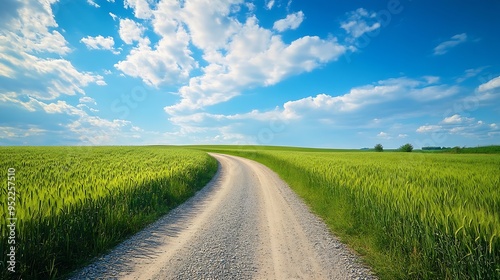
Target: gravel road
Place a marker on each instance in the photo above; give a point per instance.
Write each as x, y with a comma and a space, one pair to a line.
245, 224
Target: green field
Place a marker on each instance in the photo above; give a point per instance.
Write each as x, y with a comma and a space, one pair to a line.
411, 215
74, 203
426, 215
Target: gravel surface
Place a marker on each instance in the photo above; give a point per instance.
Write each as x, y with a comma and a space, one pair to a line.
245, 224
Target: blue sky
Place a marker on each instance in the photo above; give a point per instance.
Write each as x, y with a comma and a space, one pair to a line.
342, 74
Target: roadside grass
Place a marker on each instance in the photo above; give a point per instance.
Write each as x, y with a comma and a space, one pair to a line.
75, 203
410, 215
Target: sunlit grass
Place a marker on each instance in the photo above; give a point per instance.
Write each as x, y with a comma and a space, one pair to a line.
73, 203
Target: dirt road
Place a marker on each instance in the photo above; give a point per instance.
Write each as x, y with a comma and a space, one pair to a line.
245, 224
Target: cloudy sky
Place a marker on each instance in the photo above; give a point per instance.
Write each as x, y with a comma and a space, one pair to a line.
344, 74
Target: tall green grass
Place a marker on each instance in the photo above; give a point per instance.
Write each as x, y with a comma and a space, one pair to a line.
411, 215
74, 203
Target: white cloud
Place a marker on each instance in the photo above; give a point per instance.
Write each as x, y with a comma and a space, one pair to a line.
434, 92
455, 40
87, 129
432, 79
92, 3
87, 99
238, 55
130, 31
490, 85
429, 128
49, 78
459, 125
360, 97
113, 16
7, 71
12, 97
142, 8
31, 31
384, 135
470, 73
29, 44
210, 23
254, 57
168, 62
453, 119
291, 21
8, 132
360, 22
456, 119
355, 107
269, 4
250, 6
99, 43
167, 18
218, 128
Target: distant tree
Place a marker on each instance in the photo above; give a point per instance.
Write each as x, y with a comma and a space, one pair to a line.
406, 148
379, 148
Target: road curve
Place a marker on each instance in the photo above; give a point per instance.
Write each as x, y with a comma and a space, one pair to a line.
245, 224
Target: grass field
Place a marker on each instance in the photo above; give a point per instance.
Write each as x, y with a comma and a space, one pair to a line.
428, 215
74, 203
411, 215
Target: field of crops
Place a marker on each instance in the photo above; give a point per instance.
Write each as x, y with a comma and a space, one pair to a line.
73, 203
412, 215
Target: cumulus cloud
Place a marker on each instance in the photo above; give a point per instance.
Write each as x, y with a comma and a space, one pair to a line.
454, 41
253, 57
360, 97
358, 106
99, 43
463, 126
86, 129
428, 128
237, 55
27, 56
456, 119
218, 128
169, 61
141, 8
87, 99
384, 135
130, 31
211, 24
360, 22
291, 21
33, 30
49, 78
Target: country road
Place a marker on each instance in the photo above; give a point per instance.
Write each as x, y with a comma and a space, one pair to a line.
245, 224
